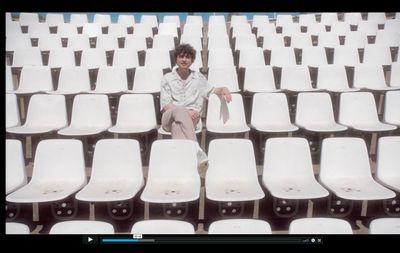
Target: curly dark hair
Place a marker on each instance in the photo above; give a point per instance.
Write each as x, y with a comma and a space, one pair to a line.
185, 49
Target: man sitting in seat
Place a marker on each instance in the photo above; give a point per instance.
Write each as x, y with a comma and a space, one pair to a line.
181, 98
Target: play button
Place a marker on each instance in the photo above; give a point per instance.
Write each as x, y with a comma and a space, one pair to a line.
90, 239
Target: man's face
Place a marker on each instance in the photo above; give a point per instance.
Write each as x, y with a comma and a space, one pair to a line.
184, 61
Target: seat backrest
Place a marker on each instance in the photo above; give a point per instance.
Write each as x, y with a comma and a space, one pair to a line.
300, 40
107, 42
283, 19
314, 108
344, 157
9, 79
150, 20
314, 56
67, 30
170, 28
126, 57
73, 80
328, 39
369, 27
340, 28
117, 160
79, 19
117, 30
147, 80
271, 41
379, 17
15, 166
259, 78
137, 42
223, 77
251, 57
36, 30
221, 57
61, 57
193, 19
164, 41
172, 19
94, 58
282, 56
102, 19
369, 76
47, 111
92, 29
387, 38
136, 109
352, 18
79, 42
112, 79
27, 57
392, 107
49, 42
277, 165
224, 115
35, 79
270, 108
245, 41
332, 76
12, 111
356, 39
395, 75
357, 108
388, 159
53, 19
143, 29
91, 110
193, 29
16, 42
27, 18
58, 161
232, 159
127, 20
306, 19
157, 58
296, 77
327, 18
346, 55
173, 158
377, 54
260, 20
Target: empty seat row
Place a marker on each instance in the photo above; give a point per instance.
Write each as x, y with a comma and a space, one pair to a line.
173, 178
227, 226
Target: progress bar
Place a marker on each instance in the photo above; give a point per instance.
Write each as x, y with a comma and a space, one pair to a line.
213, 240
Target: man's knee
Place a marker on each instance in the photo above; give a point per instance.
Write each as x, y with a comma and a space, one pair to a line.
180, 111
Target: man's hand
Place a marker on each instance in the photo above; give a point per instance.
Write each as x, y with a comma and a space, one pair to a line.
194, 114
223, 92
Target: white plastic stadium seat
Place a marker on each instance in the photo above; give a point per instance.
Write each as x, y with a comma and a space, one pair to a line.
391, 114
232, 172
173, 176
15, 228
12, 111
123, 181
320, 226
15, 166
162, 227
290, 178
385, 226
345, 170
58, 172
240, 226
82, 227
388, 160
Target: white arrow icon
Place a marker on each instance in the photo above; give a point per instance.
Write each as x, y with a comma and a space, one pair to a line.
89, 239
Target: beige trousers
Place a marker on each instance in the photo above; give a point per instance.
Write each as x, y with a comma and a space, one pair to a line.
179, 123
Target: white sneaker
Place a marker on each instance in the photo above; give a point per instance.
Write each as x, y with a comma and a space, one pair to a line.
202, 161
